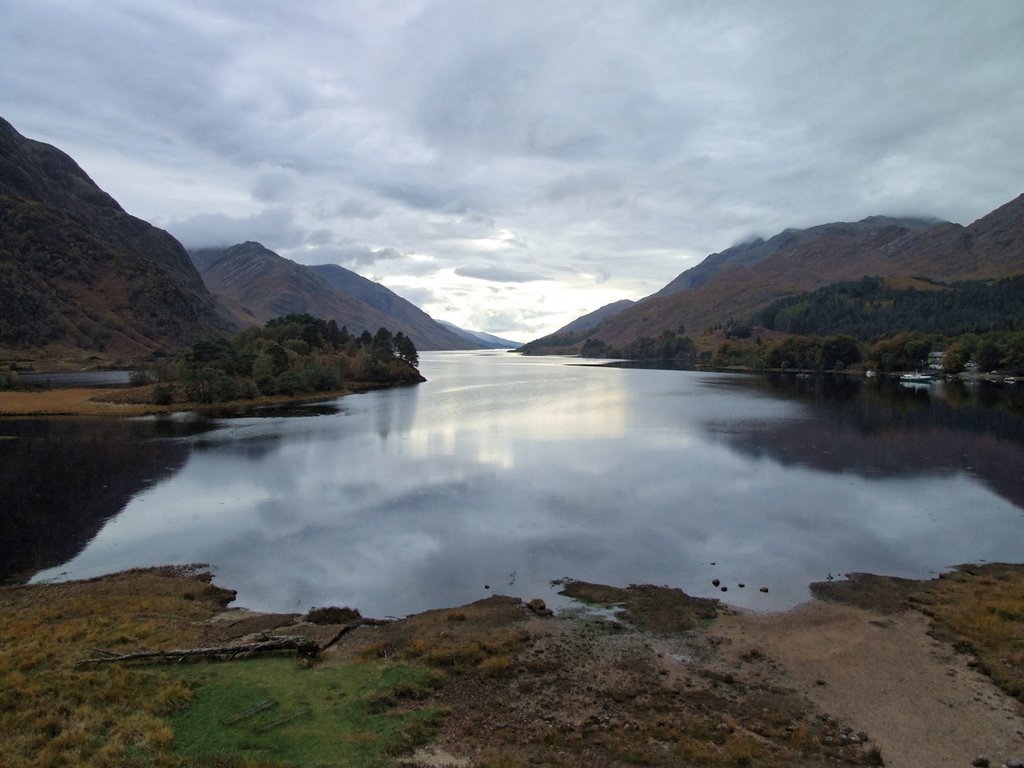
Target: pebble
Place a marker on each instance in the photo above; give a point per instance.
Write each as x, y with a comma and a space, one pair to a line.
741, 585
981, 761
715, 582
725, 589
764, 589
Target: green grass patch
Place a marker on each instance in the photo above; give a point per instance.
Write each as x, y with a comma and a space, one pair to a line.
274, 711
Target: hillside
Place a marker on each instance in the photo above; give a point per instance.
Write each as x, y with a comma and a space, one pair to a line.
426, 332
260, 283
737, 283
595, 318
79, 274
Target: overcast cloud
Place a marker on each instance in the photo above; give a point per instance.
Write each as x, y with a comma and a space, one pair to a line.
565, 155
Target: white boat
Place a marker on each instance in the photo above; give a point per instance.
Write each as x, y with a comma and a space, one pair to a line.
915, 378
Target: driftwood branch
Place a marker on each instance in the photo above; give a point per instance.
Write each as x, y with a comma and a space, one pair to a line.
301, 645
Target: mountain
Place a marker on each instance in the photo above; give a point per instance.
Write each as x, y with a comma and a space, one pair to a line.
78, 273
426, 332
737, 283
486, 340
259, 285
595, 318
755, 251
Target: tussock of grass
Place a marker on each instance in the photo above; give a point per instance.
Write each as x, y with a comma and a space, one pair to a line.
488, 655
332, 615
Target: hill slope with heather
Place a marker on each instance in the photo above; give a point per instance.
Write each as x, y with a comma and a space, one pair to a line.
736, 284
80, 275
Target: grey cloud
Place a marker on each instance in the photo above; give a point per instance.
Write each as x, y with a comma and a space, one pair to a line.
274, 185
352, 255
622, 141
581, 184
353, 209
498, 274
273, 227
419, 296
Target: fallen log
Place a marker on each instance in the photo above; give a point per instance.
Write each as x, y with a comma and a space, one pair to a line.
301, 645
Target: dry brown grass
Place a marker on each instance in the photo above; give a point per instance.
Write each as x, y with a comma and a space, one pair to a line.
70, 402
54, 713
981, 609
131, 401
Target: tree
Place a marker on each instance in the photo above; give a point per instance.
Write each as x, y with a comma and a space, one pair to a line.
406, 350
988, 355
953, 358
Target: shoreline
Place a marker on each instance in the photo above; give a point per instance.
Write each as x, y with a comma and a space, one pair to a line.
130, 401
871, 669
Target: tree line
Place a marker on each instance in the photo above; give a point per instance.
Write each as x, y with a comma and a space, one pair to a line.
668, 345
291, 355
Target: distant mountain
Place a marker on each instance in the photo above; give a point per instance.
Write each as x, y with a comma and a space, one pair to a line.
739, 282
261, 285
426, 332
77, 273
486, 340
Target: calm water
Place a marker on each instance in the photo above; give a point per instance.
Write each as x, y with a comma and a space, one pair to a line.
502, 473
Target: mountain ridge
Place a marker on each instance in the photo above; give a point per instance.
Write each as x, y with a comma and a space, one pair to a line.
266, 285
734, 284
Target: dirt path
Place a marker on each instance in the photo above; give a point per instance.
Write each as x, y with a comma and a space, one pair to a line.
919, 701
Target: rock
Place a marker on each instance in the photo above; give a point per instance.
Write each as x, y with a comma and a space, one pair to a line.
725, 589
764, 589
539, 607
741, 585
1014, 762
715, 582
981, 761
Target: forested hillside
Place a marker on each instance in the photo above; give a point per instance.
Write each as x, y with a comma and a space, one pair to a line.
869, 308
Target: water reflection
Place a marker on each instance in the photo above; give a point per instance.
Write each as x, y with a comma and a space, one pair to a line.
888, 430
508, 472
62, 480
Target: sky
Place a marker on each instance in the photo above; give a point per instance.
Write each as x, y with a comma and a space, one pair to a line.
509, 166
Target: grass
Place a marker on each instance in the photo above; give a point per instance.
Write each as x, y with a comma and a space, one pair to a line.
134, 401
331, 716
54, 713
981, 609
63, 402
